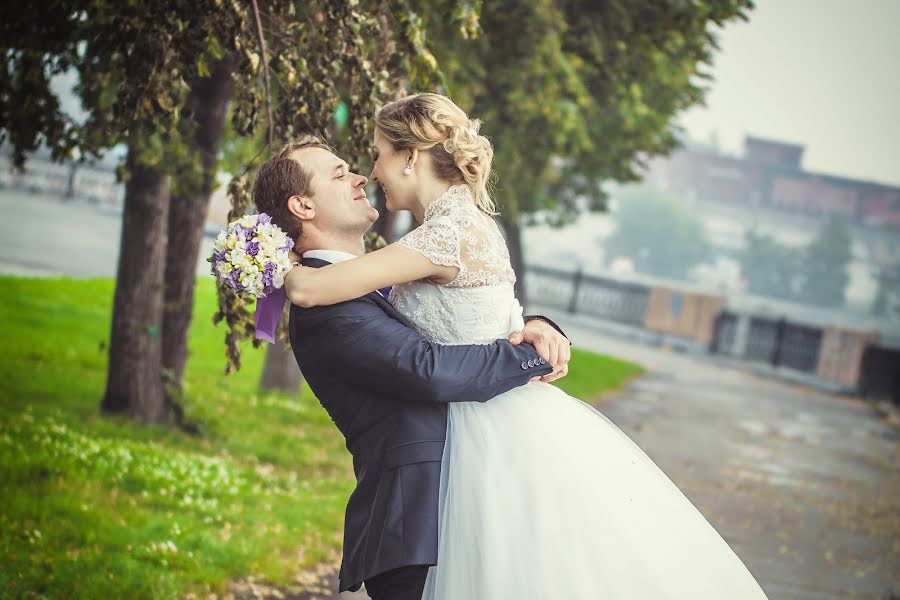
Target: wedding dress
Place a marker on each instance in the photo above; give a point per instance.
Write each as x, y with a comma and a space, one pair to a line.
542, 497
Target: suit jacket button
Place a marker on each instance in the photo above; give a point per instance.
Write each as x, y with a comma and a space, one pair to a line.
530, 363
524, 365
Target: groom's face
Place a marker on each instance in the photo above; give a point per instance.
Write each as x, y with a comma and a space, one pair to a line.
338, 202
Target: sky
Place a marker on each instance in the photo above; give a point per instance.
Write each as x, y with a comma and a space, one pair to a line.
821, 73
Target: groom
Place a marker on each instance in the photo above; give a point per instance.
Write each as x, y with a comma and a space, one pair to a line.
385, 386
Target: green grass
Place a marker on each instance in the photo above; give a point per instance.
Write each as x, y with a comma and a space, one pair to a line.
100, 507
592, 374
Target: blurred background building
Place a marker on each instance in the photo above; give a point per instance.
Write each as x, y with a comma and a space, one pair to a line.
767, 188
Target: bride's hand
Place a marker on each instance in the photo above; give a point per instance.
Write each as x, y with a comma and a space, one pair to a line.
550, 344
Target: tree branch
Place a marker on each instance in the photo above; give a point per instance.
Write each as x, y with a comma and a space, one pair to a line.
265, 61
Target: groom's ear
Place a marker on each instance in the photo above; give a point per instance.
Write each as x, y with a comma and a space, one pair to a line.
302, 207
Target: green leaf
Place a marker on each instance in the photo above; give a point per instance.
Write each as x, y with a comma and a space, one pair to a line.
203, 66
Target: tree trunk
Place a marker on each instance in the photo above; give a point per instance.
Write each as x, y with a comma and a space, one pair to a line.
134, 385
280, 371
385, 223
187, 215
514, 243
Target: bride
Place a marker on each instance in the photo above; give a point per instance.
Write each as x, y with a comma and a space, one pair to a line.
542, 497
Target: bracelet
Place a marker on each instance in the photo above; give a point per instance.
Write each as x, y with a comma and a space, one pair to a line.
541, 319
547, 321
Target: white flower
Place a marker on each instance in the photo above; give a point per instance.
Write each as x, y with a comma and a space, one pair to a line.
232, 246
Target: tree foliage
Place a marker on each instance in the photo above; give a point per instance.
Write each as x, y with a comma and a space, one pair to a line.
360, 53
814, 274
770, 267
134, 62
576, 93
657, 233
825, 263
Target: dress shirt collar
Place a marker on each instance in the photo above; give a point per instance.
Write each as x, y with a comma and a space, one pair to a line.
332, 256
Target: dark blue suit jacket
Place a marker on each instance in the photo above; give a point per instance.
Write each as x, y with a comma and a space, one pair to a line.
386, 387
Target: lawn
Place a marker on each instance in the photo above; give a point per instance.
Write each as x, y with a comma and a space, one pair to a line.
100, 507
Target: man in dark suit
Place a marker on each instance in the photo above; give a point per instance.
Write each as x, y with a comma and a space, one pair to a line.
385, 386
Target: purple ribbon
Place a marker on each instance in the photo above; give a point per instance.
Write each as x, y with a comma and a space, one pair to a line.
268, 314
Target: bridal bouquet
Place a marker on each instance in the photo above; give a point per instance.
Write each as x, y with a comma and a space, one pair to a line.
251, 257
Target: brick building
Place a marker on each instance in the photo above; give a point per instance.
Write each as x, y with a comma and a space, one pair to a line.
767, 187
770, 175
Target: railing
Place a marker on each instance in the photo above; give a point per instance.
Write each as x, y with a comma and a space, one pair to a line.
68, 180
798, 347
587, 294
778, 342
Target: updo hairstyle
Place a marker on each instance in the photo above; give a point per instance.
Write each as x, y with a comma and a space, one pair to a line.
433, 123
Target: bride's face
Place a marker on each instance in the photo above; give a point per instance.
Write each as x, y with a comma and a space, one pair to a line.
388, 170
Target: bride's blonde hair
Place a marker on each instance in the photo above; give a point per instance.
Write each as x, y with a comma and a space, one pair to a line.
433, 123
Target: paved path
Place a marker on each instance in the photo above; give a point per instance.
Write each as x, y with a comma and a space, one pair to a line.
803, 484
42, 235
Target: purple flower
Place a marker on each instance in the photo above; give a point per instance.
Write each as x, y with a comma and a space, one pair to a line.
219, 256
252, 248
264, 218
239, 229
233, 280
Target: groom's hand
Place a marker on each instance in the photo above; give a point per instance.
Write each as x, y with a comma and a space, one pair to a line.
550, 344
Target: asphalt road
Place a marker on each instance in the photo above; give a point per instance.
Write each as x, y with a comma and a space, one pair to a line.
44, 236
803, 484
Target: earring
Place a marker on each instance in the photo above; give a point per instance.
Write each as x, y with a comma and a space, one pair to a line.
407, 170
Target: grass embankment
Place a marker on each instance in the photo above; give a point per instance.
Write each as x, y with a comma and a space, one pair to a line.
99, 507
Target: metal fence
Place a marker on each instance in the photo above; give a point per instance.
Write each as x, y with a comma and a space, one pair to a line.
595, 296
778, 342
798, 347
726, 333
68, 180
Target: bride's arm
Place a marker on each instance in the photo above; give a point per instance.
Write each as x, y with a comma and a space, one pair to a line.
393, 264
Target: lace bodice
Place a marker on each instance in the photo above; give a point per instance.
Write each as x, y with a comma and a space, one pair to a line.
478, 306
456, 234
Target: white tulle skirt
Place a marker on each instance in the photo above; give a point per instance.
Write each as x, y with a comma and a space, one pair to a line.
544, 498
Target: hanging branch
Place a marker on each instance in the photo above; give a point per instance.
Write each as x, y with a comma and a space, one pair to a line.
265, 61
319, 58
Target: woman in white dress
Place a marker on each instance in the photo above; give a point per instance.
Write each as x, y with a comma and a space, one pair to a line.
542, 496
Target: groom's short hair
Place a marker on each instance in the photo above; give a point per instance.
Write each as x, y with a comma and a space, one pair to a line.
281, 177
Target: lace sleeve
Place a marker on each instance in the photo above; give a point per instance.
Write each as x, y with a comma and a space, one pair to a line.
438, 240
